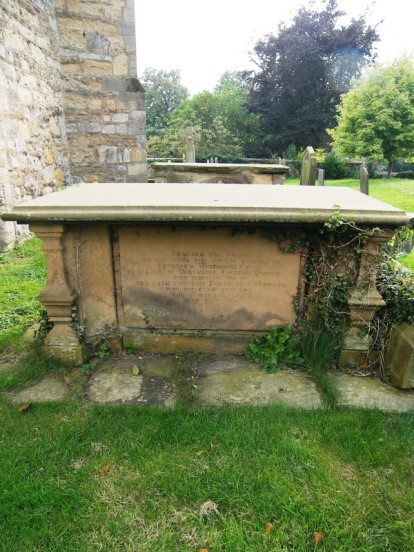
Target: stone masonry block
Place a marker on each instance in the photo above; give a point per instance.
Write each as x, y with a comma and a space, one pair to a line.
126, 28
399, 357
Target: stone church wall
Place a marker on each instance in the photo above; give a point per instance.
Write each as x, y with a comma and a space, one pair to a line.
33, 155
71, 107
104, 102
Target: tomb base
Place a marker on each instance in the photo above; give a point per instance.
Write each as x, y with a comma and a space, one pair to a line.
223, 343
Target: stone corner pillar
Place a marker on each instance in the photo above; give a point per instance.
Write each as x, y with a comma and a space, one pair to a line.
364, 302
59, 298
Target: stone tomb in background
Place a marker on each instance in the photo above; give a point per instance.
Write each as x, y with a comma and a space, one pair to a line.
172, 267
220, 173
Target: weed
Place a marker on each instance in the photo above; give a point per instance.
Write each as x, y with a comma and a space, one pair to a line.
130, 348
274, 350
103, 351
319, 351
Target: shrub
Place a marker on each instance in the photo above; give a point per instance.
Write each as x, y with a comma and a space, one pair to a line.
406, 174
335, 167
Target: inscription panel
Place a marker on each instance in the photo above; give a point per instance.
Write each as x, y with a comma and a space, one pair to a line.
194, 278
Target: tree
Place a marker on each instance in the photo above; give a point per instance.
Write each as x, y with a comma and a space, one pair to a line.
376, 118
304, 69
227, 129
232, 92
164, 92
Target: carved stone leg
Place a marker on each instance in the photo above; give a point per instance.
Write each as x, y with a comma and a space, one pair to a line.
59, 298
364, 302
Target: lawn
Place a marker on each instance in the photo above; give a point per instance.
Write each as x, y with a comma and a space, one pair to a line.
76, 477
395, 191
81, 477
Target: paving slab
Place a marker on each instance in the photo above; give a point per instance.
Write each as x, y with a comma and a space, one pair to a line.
135, 380
232, 381
49, 389
148, 379
368, 392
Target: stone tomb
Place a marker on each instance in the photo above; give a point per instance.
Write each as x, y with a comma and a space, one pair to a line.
220, 173
172, 267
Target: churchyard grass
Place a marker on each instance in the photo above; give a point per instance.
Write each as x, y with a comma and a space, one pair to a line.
395, 191
408, 261
22, 276
81, 477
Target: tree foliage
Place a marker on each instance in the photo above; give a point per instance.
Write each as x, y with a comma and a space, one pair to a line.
376, 118
227, 129
304, 69
164, 92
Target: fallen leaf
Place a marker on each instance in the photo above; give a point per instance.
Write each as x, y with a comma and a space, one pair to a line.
318, 538
173, 385
364, 365
106, 469
24, 407
203, 550
269, 528
135, 370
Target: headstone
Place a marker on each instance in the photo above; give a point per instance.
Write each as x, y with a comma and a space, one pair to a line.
363, 180
191, 138
308, 170
321, 177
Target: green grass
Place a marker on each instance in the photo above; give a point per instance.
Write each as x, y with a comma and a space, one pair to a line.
408, 260
22, 276
347, 473
395, 191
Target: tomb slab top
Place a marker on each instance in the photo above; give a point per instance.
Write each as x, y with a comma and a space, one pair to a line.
215, 203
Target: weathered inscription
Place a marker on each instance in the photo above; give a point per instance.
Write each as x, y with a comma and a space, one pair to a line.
193, 278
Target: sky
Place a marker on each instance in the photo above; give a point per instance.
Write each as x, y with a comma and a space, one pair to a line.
204, 39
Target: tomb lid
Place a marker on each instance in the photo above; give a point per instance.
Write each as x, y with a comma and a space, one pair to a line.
204, 203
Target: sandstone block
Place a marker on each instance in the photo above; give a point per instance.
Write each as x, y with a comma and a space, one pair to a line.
120, 65
399, 358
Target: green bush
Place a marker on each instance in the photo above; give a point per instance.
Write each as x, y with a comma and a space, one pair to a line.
406, 174
335, 167
396, 286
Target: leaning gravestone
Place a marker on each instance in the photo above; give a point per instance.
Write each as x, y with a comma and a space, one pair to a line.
308, 169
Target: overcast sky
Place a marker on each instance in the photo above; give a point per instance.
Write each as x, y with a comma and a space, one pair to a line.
203, 40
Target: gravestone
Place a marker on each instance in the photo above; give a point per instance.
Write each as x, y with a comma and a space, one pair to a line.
191, 138
321, 177
308, 169
363, 180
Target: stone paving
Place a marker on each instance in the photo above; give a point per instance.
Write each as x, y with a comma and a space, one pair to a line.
149, 379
